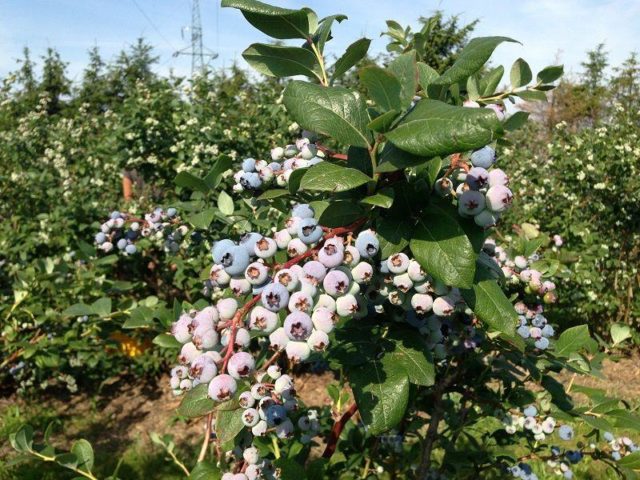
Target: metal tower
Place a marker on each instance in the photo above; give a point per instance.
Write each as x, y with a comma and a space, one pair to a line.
196, 50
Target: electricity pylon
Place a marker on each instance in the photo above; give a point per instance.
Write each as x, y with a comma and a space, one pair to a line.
197, 51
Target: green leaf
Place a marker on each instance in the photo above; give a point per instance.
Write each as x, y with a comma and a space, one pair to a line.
205, 471
295, 178
404, 69
411, 353
532, 96
281, 61
434, 128
101, 307
83, 451
281, 23
274, 193
426, 75
619, 333
190, 181
443, 249
333, 111
520, 73
67, 460
516, 121
383, 87
225, 203
196, 402
491, 80
354, 53
470, 60
340, 213
228, 424
382, 123
329, 177
202, 219
139, 317
490, 304
624, 419
394, 236
213, 178
572, 340
597, 422
22, 440
381, 391
167, 341
383, 198
631, 461
550, 74
392, 159
78, 310
323, 33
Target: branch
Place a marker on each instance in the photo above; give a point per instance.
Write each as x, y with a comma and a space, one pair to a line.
205, 441
334, 436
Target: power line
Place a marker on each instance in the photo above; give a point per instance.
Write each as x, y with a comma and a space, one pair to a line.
153, 25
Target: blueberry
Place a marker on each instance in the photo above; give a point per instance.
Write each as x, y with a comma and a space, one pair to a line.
130, 249
486, 219
398, 263
309, 231
220, 248
471, 203
523, 331
241, 365
300, 302
249, 165
235, 260
336, 283
565, 432
297, 351
171, 212
298, 326
100, 237
275, 297
485, 157
318, 341
256, 273
121, 243
302, 210
263, 320
222, 387
250, 181
530, 411
498, 177
367, 244
265, 248
275, 415
477, 178
499, 198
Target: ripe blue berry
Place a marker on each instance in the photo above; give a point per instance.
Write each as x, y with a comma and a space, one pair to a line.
471, 203
530, 411
220, 248
303, 210
486, 219
275, 297
484, 157
235, 260
309, 231
250, 181
248, 241
367, 244
249, 165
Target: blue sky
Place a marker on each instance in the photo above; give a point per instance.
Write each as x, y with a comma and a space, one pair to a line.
548, 29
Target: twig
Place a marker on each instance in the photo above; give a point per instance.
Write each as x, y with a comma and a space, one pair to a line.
205, 441
334, 436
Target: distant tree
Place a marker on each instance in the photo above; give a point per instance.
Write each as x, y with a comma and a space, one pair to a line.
54, 82
94, 87
625, 85
132, 66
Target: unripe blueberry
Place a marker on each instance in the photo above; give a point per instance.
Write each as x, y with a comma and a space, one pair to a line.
265, 248
263, 320
421, 303
227, 308
470, 203
443, 187
314, 272
181, 329
362, 272
298, 351
477, 178
218, 276
498, 177
243, 338
251, 455
241, 365
325, 301
277, 153
336, 283
256, 273
246, 400
367, 244
308, 151
331, 254
282, 238
188, 353
351, 256
486, 219
318, 341
274, 371
303, 210
222, 387
240, 286
285, 382
205, 338
259, 429
309, 231
250, 417
298, 326
484, 157
443, 306
398, 263
300, 302
324, 319
296, 247
415, 271
278, 339
346, 305
499, 198
275, 297
203, 369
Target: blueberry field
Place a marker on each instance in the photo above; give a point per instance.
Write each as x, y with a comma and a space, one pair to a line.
329, 261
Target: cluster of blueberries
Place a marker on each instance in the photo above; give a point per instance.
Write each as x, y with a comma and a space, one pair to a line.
254, 466
534, 325
122, 230
258, 174
481, 191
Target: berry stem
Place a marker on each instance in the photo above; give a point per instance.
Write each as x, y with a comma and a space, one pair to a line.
334, 436
237, 318
207, 437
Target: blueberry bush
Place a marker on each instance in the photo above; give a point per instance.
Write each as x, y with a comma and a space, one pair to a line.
369, 243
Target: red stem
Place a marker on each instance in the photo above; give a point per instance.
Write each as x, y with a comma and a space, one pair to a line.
334, 436
237, 318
